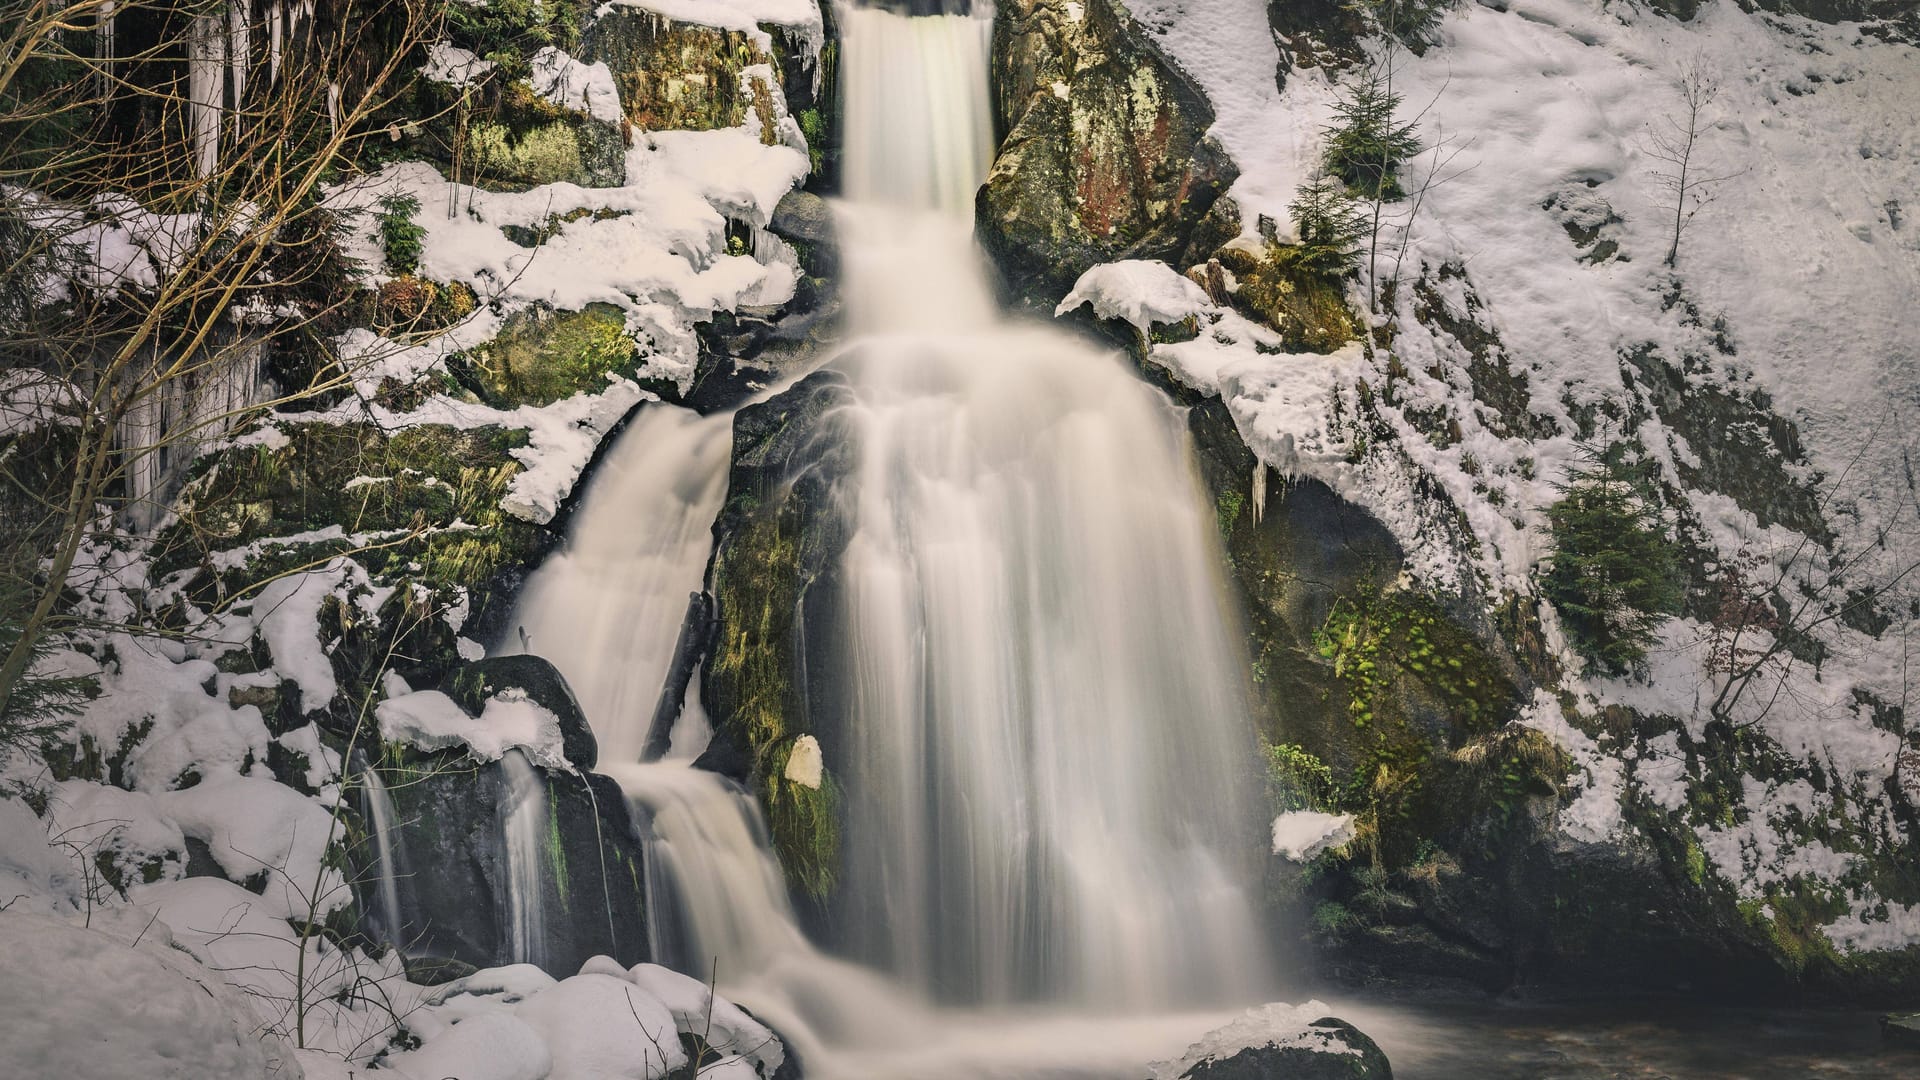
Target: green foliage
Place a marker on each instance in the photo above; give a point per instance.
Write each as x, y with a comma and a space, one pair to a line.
547, 154
509, 32
400, 234
1329, 225
1297, 780
1365, 145
1614, 573
814, 127
42, 703
1373, 636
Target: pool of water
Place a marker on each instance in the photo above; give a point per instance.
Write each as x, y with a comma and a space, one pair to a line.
1625, 1040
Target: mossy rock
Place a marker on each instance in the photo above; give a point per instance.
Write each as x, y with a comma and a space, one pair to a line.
541, 356
674, 75
454, 879
771, 675
1309, 310
1120, 167
418, 509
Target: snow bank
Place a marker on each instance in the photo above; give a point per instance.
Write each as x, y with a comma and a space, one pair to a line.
81, 1002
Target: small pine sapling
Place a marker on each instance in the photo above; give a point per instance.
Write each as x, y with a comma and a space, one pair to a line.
1614, 573
1330, 227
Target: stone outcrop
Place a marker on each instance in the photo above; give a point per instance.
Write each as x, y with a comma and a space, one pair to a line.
1106, 154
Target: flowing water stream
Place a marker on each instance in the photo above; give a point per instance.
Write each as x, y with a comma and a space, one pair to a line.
1048, 789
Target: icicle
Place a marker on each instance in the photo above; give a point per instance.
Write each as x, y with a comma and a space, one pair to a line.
333, 107
105, 46
238, 15
1259, 491
276, 18
204, 61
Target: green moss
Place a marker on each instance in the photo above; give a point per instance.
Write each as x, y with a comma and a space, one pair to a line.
1297, 780
1227, 509
1306, 306
547, 154
556, 850
1373, 637
806, 832
542, 356
758, 592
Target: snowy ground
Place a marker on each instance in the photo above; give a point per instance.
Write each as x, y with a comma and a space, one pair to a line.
1807, 260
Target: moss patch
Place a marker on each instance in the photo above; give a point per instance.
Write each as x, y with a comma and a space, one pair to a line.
1308, 309
542, 356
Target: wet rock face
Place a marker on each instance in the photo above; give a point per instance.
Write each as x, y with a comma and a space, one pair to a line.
452, 876
1106, 155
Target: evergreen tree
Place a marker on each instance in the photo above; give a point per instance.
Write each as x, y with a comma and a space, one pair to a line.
1365, 144
1614, 573
1329, 225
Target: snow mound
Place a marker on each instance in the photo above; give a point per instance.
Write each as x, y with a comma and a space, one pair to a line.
84, 1003
1142, 292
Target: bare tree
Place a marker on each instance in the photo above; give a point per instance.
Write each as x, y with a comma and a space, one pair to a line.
1689, 186
162, 230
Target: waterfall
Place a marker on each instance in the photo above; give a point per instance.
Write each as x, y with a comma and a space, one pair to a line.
523, 830
391, 918
607, 610
1047, 765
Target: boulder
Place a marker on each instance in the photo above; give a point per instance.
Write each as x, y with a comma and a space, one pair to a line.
1106, 155
473, 684
1274, 1043
1901, 1029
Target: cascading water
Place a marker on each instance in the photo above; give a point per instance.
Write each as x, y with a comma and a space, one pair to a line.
390, 916
1046, 761
607, 610
523, 828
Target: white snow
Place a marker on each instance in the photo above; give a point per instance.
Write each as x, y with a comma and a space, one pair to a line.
1299, 835
450, 64
430, 720
83, 1002
746, 16
288, 613
575, 84
1141, 292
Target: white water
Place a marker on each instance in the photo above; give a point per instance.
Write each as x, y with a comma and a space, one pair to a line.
523, 828
1047, 763
380, 811
607, 610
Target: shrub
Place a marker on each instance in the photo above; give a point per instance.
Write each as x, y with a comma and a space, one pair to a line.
400, 235
1613, 574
